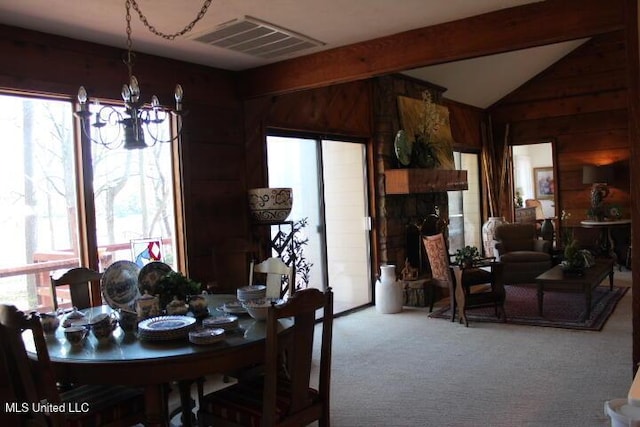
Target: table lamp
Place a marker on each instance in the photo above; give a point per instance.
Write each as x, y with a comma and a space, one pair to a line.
598, 177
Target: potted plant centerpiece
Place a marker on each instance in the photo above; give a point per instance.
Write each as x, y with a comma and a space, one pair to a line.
466, 256
175, 284
576, 259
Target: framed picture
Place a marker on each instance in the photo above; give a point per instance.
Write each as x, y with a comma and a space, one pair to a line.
544, 183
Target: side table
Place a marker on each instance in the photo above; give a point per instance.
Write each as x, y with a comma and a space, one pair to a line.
608, 241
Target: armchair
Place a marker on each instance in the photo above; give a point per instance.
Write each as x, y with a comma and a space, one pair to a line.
524, 255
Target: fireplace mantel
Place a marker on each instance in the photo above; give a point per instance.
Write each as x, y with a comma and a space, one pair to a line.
416, 181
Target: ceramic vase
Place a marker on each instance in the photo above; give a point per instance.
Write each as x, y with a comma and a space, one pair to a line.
547, 230
389, 295
488, 234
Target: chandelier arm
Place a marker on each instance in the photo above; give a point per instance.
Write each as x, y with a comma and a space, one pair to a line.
110, 144
186, 29
155, 138
105, 116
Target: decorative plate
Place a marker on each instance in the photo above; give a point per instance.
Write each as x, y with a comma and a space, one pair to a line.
224, 322
166, 323
150, 274
403, 148
119, 284
206, 336
234, 307
165, 327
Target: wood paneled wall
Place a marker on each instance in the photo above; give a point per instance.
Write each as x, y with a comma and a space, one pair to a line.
365, 110
581, 103
212, 146
337, 111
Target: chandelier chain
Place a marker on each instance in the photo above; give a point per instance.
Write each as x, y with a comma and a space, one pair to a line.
155, 31
129, 59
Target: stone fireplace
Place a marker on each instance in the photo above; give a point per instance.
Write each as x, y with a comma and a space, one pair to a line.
407, 200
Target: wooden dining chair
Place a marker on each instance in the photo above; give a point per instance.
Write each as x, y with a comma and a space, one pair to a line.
79, 281
282, 396
279, 277
33, 382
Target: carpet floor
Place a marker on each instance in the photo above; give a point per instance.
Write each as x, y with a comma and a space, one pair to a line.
561, 309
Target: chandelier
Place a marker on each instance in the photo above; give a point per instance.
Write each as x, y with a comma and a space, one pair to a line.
137, 117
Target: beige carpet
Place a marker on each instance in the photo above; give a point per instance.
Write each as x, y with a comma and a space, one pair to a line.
406, 369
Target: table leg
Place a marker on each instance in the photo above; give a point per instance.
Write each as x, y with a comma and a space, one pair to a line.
611, 279
186, 402
155, 405
588, 302
540, 298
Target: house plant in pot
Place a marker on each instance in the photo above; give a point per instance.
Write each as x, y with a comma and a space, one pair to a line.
467, 256
175, 284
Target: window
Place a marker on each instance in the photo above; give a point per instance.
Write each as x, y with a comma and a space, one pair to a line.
133, 194
132, 191
465, 226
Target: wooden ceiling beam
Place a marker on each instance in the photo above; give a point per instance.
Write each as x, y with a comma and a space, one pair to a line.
521, 27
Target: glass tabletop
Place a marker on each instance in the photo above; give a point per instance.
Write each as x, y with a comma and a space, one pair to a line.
123, 346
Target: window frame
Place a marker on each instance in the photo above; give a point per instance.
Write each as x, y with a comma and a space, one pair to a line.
85, 217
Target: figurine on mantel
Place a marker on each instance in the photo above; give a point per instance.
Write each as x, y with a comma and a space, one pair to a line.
409, 272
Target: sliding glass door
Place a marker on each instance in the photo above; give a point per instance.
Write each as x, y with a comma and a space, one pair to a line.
329, 191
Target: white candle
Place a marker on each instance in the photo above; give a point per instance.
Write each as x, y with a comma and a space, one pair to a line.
251, 273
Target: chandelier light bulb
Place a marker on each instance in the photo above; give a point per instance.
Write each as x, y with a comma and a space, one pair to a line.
126, 93
179, 93
82, 95
135, 89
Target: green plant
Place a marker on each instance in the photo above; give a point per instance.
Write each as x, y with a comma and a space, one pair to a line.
467, 255
288, 253
175, 284
576, 258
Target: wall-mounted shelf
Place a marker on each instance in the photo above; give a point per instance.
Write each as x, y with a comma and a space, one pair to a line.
414, 181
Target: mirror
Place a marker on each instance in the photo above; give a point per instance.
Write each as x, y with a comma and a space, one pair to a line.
533, 175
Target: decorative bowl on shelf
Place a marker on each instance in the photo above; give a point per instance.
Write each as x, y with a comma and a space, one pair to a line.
270, 204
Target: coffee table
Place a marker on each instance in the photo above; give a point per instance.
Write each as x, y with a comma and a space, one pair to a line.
554, 279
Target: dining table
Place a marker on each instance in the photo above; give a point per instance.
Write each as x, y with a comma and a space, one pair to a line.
128, 359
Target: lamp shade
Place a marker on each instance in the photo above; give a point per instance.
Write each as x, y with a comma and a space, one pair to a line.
592, 174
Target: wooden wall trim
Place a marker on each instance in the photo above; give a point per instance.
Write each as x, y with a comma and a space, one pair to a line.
633, 69
515, 28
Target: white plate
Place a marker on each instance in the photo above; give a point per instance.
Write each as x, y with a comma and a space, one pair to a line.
166, 323
165, 327
233, 308
119, 284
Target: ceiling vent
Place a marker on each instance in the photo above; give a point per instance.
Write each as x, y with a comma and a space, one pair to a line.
254, 37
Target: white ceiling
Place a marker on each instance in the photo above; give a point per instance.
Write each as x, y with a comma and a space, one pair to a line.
478, 82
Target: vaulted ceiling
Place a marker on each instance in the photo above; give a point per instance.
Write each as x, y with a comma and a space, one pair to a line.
328, 24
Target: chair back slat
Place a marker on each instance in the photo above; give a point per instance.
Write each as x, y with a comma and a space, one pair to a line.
78, 279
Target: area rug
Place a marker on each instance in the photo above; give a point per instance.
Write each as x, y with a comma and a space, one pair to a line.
561, 310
